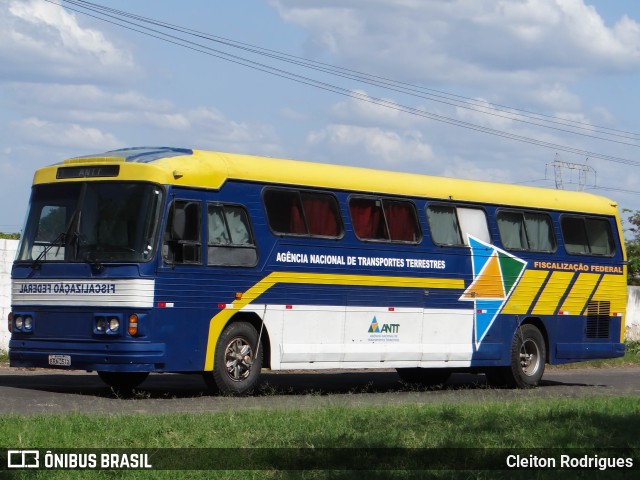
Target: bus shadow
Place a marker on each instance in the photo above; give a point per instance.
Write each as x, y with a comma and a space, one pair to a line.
372, 382
177, 386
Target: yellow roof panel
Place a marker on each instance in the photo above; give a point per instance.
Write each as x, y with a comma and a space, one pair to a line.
205, 169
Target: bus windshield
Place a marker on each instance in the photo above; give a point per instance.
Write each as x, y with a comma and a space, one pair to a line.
91, 222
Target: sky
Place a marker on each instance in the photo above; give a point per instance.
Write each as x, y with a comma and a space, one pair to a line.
484, 89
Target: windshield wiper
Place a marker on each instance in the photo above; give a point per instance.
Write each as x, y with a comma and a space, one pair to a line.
65, 238
58, 241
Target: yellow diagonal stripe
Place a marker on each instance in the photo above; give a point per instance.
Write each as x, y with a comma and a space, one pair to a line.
575, 302
552, 293
527, 289
613, 288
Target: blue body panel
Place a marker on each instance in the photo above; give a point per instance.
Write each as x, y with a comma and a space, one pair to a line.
174, 331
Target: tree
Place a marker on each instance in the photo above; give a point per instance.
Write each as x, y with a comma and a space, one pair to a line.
11, 236
632, 244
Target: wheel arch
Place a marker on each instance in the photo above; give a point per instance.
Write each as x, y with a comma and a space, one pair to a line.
265, 342
539, 324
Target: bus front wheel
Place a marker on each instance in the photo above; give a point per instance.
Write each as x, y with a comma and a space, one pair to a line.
528, 355
237, 360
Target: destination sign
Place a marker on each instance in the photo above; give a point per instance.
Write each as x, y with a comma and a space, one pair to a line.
88, 172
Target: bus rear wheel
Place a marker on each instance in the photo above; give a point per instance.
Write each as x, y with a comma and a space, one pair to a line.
528, 356
237, 360
123, 381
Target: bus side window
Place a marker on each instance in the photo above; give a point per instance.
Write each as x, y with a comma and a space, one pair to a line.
384, 219
450, 225
367, 218
229, 241
182, 243
587, 236
526, 231
302, 212
402, 221
321, 214
284, 211
600, 237
443, 224
473, 221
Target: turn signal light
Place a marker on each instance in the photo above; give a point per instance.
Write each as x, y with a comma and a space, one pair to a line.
133, 324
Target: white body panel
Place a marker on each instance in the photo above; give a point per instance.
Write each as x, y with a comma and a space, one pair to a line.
322, 337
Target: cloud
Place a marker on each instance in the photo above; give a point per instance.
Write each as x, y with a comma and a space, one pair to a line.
39, 40
512, 43
46, 133
95, 118
367, 109
383, 148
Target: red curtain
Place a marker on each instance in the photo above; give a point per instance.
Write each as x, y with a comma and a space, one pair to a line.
296, 222
401, 221
367, 220
321, 217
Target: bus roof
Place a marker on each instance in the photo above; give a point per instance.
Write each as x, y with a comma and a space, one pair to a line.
203, 169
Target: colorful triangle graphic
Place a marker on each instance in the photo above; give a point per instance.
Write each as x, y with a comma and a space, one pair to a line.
495, 275
374, 328
481, 255
486, 311
511, 268
488, 283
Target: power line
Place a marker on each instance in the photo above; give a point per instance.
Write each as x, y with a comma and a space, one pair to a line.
613, 189
116, 19
384, 82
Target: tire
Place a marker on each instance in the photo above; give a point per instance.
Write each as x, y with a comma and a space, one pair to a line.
424, 376
123, 381
236, 366
528, 356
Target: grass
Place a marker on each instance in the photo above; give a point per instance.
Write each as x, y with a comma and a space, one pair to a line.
590, 422
524, 426
516, 426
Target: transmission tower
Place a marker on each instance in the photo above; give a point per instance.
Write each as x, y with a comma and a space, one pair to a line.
566, 173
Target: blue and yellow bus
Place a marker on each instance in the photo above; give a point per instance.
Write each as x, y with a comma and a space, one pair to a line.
175, 260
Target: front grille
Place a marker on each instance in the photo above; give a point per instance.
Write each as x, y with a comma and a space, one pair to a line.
598, 317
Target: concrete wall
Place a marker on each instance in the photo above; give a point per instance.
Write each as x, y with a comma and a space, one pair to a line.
633, 314
8, 252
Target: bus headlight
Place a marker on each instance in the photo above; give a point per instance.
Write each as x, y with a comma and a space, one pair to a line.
108, 323
101, 324
27, 324
114, 324
18, 322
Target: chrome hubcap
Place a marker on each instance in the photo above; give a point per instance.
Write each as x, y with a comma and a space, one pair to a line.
529, 358
238, 359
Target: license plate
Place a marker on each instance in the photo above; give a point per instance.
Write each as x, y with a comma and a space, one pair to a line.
60, 360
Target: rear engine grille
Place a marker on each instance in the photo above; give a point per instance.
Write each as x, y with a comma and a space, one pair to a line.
598, 316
